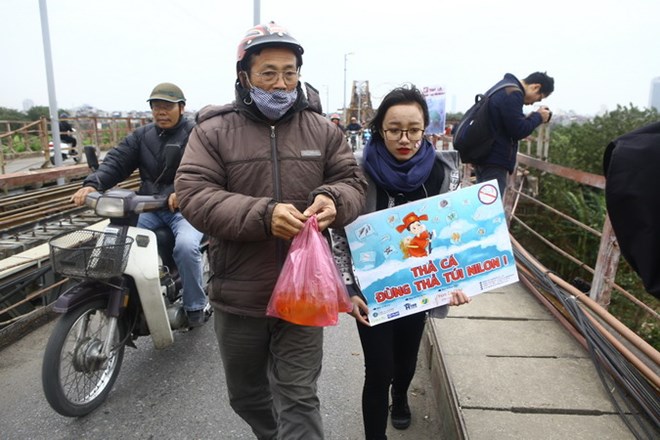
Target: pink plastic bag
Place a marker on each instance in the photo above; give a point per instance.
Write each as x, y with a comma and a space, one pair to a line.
309, 290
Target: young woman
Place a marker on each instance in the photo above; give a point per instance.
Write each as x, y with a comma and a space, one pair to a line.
401, 166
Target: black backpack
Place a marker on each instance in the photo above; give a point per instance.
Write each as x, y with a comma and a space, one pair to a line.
631, 164
474, 135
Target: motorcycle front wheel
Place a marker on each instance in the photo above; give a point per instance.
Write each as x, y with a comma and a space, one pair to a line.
76, 376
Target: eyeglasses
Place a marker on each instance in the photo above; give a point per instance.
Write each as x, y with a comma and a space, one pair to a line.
395, 134
163, 105
271, 76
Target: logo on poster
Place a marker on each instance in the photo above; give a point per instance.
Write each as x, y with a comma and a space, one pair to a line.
487, 194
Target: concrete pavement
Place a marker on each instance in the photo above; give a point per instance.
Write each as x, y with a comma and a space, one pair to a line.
26, 164
505, 369
180, 393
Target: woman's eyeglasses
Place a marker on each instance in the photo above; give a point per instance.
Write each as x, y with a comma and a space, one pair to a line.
395, 134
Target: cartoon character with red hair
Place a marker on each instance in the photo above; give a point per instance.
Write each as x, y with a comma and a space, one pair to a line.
415, 246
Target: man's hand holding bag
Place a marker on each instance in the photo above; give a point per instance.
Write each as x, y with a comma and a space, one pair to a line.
309, 290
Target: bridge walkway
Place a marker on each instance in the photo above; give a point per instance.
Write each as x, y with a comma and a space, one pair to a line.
503, 368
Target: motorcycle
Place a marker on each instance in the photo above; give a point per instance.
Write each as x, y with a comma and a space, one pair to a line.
366, 136
125, 290
67, 144
353, 136
66, 149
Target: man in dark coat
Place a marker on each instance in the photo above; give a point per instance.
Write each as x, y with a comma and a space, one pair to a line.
511, 125
145, 149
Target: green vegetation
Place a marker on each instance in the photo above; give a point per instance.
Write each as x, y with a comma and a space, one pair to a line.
36, 112
581, 146
24, 144
9, 114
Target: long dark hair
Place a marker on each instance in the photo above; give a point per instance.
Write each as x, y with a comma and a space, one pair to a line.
401, 95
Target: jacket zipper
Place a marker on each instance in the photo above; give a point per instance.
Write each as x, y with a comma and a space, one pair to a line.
276, 165
280, 254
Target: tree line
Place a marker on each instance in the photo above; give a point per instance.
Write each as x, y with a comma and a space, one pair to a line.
36, 112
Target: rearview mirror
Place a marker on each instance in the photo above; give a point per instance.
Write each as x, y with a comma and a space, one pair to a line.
90, 156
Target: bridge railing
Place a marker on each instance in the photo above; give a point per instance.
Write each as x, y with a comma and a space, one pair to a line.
27, 139
619, 326
601, 261
601, 265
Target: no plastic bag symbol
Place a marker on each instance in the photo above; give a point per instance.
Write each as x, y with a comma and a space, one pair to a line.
487, 194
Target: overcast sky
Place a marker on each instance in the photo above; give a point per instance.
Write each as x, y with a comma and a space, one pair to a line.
110, 54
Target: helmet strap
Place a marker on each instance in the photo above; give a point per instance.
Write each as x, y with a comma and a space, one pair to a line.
244, 79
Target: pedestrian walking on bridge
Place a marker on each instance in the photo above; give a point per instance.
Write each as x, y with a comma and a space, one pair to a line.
253, 172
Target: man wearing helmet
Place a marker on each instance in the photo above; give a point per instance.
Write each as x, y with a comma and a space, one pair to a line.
253, 172
145, 149
354, 125
334, 118
353, 129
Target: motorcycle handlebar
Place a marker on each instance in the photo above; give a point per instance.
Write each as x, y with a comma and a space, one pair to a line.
122, 203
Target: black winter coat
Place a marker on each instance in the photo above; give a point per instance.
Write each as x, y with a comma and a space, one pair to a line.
633, 200
143, 149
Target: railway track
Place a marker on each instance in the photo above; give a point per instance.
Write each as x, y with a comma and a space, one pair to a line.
31, 218
28, 220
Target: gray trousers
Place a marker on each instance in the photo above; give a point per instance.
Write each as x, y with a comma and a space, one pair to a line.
271, 367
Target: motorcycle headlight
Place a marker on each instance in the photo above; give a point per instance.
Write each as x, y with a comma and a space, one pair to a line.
110, 207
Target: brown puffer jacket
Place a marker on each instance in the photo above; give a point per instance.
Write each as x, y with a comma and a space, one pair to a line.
236, 167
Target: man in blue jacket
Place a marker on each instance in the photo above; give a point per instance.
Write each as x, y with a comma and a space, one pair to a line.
511, 125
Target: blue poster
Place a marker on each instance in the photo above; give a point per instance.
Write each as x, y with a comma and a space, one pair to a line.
435, 100
410, 258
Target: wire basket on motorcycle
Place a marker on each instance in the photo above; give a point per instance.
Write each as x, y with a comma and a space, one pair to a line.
89, 254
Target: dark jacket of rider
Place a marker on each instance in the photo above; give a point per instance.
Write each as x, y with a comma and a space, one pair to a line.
143, 149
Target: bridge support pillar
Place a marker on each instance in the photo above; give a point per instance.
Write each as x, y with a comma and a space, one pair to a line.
606, 265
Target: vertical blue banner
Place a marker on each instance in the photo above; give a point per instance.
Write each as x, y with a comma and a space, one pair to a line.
436, 101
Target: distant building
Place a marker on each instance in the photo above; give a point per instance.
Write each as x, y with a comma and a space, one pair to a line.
27, 104
654, 98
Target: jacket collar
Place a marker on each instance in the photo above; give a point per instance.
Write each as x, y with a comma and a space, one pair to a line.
169, 131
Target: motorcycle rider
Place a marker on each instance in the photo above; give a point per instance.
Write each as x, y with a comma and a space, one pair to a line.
66, 131
353, 130
354, 125
144, 149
